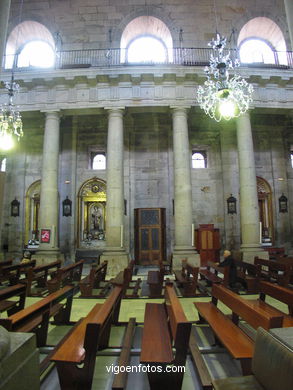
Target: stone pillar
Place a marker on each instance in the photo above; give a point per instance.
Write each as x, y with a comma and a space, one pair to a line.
249, 214
289, 15
49, 203
115, 253
182, 191
4, 17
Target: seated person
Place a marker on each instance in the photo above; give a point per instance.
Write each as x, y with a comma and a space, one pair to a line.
229, 262
26, 257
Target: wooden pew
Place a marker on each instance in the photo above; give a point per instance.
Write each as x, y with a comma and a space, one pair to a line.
155, 281
187, 279
40, 275
65, 275
124, 279
120, 379
165, 325
274, 253
93, 280
18, 290
289, 261
13, 273
80, 347
226, 331
279, 293
249, 274
210, 273
35, 318
274, 271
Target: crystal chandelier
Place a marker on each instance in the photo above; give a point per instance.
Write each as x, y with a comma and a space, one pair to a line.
10, 118
223, 96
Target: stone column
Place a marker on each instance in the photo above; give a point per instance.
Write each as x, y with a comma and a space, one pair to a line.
49, 202
115, 253
249, 213
289, 15
4, 17
182, 191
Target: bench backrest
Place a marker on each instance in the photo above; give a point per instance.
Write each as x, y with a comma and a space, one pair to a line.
46, 267
69, 270
36, 308
247, 268
179, 326
253, 316
275, 291
223, 270
274, 267
192, 271
12, 291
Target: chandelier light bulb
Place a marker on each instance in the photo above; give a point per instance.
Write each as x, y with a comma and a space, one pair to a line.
223, 96
6, 141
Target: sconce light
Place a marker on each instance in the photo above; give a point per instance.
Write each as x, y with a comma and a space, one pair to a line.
15, 208
67, 207
283, 204
231, 205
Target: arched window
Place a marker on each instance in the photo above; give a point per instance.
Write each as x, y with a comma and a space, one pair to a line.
258, 39
146, 49
146, 39
33, 43
3, 165
99, 161
36, 53
199, 159
256, 50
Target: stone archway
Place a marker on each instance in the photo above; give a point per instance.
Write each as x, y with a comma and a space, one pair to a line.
264, 193
91, 232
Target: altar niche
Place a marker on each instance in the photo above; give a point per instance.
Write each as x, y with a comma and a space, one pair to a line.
92, 214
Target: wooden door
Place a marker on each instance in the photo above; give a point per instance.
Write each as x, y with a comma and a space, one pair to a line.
207, 240
150, 245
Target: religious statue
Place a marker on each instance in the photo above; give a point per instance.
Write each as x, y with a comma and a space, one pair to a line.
97, 219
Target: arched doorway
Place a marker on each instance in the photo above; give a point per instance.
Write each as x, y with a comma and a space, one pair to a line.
265, 206
32, 208
92, 214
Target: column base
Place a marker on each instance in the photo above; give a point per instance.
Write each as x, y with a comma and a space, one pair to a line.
48, 256
250, 251
117, 260
180, 253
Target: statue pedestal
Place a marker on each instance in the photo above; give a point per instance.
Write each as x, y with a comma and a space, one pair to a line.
19, 366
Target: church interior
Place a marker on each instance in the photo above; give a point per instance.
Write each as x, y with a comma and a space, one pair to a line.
146, 194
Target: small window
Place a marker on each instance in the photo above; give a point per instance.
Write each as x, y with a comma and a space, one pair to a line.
3, 165
291, 156
98, 161
199, 159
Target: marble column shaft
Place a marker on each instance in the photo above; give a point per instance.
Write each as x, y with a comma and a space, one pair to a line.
289, 15
4, 17
49, 187
249, 213
182, 179
115, 179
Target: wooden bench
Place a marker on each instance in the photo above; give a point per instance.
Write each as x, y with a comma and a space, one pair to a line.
226, 330
279, 293
274, 271
75, 357
65, 276
274, 253
93, 280
18, 290
187, 279
40, 274
35, 318
165, 326
287, 260
155, 282
120, 379
249, 274
124, 279
210, 273
13, 273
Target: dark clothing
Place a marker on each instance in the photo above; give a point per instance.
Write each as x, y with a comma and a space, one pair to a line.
229, 262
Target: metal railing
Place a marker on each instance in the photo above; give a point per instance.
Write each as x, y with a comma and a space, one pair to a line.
70, 59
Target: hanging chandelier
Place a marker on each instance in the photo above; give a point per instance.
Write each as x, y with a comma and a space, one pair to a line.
10, 118
223, 96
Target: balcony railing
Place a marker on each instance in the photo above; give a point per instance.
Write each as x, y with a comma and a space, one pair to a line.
71, 59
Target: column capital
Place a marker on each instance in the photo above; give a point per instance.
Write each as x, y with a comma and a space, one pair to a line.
178, 109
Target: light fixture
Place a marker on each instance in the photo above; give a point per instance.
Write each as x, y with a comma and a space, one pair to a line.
231, 205
10, 118
223, 96
283, 204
